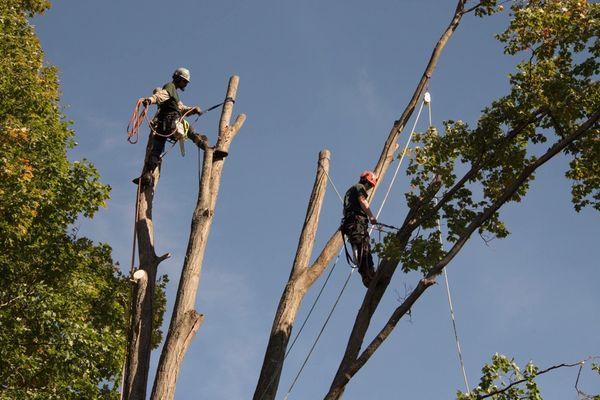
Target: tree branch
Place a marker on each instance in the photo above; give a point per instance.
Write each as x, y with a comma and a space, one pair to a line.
479, 164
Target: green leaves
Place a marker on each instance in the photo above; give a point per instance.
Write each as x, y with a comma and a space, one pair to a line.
504, 380
552, 91
62, 299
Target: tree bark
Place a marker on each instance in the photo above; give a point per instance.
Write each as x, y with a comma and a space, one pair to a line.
185, 321
294, 290
140, 336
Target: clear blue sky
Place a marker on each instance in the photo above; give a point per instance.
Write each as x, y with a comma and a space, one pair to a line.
313, 75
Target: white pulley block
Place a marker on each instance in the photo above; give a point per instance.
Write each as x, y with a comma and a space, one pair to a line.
427, 98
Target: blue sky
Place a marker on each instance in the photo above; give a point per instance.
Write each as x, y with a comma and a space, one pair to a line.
316, 75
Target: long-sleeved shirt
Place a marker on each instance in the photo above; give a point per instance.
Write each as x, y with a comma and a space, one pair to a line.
168, 101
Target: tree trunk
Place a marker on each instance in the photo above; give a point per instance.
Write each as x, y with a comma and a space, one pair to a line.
185, 321
294, 290
140, 336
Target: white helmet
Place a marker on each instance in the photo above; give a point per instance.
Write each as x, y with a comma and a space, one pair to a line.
182, 73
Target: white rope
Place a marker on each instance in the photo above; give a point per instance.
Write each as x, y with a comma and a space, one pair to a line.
399, 164
333, 185
460, 357
448, 294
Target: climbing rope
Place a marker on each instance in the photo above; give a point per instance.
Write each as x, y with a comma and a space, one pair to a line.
135, 220
448, 293
337, 300
304, 322
401, 158
140, 114
412, 131
136, 120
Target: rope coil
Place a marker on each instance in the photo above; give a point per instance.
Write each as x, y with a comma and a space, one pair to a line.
140, 114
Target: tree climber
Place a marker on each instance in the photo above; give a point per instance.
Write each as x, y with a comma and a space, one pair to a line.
357, 215
169, 122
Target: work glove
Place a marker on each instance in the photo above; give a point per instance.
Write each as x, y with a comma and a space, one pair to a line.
373, 221
196, 110
146, 102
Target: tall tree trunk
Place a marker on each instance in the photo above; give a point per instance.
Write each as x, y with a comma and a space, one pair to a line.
185, 321
294, 290
140, 333
274, 357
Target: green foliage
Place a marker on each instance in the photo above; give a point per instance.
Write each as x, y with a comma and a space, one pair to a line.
499, 375
159, 307
504, 380
62, 301
553, 90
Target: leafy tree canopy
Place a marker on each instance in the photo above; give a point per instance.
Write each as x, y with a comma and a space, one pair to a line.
62, 301
553, 90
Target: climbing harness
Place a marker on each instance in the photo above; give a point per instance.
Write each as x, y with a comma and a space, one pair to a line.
140, 114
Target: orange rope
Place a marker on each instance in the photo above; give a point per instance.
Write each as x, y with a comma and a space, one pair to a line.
135, 121
137, 118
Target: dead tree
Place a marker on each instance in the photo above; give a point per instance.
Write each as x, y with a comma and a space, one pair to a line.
268, 382
185, 321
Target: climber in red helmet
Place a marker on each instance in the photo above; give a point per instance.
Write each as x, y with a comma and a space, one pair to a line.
357, 215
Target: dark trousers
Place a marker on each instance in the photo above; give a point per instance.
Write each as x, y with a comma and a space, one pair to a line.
356, 231
164, 125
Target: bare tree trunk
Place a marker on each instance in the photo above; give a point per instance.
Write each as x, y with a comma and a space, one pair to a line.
185, 321
140, 336
294, 290
274, 357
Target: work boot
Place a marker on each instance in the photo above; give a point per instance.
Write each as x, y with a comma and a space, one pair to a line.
366, 280
367, 275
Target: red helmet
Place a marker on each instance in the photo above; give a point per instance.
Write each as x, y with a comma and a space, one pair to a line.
369, 176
